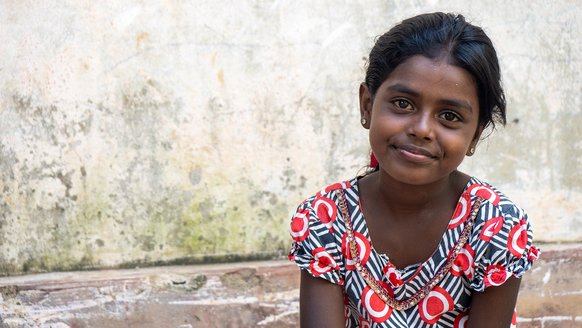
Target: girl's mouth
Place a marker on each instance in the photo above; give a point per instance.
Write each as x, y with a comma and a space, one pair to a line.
415, 154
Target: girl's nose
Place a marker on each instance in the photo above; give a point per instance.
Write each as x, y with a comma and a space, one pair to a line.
421, 126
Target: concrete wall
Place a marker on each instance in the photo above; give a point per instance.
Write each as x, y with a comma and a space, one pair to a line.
138, 133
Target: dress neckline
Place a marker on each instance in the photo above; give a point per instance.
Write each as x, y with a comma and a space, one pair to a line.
444, 243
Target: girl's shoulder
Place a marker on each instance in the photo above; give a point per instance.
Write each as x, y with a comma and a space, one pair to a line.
319, 212
501, 243
330, 191
493, 197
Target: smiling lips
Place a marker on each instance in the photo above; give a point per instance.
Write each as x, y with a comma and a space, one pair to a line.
415, 154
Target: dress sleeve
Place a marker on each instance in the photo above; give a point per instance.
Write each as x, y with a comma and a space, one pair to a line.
503, 247
314, 247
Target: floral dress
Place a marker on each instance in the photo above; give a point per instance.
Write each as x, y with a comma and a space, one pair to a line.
498, 245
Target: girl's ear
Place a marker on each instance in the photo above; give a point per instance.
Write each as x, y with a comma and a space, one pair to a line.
473, 144
365, 106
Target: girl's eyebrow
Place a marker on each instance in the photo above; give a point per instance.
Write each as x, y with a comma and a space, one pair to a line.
398, 87
458, 103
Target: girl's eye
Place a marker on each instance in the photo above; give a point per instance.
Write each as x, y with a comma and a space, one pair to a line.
450, 117
402, 104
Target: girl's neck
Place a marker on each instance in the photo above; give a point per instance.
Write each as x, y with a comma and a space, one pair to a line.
405, 197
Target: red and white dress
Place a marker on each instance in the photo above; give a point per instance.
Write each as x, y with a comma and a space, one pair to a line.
499, 247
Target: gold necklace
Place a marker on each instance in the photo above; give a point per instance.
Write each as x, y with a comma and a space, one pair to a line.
422, 292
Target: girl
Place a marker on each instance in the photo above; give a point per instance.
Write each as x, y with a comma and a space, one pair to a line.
415, 242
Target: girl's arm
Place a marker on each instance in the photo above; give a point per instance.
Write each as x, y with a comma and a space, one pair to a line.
321, 303
494, 307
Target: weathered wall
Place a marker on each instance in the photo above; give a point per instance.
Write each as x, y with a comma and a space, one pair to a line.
134, 133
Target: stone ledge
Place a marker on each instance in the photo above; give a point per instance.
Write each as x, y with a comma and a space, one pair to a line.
261, 294
250, 294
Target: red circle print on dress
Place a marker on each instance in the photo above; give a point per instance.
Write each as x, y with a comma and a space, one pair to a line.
461, 320
464, 262
300, 225
484, 192
437, 302
322, 262
496, 275
363, 247
326, 211
461, 211
376, 308
517, 240
392, 275
491, 228
330, 188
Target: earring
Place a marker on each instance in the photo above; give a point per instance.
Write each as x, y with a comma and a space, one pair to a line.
472, 150
364, 121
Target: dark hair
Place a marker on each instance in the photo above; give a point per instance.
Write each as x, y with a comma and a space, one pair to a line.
449, 35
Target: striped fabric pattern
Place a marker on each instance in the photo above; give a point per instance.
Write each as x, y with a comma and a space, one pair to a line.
500, 246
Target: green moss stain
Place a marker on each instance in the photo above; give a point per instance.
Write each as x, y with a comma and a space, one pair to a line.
69, 246
182, 227
235, 221
57, 262
244, 220
206, 228
8, 267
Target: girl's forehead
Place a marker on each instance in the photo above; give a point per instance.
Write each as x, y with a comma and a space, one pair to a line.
422, 70
432, 77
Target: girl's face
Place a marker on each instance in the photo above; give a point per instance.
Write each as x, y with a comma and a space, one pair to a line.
423, 119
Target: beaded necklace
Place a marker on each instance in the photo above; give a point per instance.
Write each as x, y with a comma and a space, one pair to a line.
423, 291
